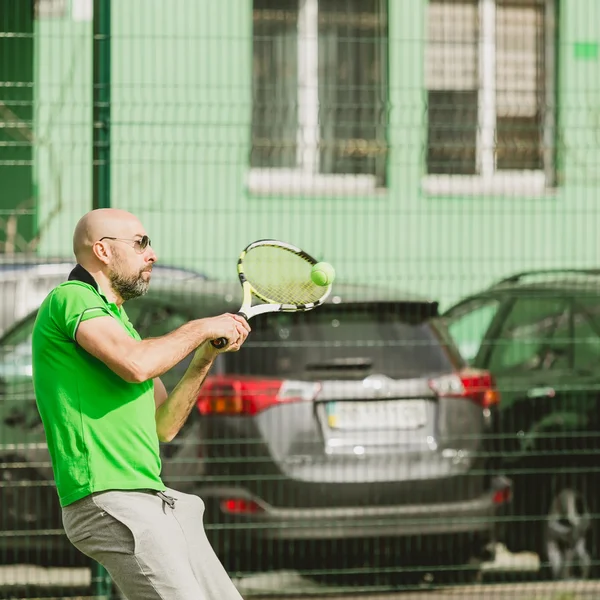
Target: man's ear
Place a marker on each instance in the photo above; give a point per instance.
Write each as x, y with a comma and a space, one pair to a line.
102, 251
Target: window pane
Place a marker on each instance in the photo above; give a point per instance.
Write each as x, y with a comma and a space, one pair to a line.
586, 333
452, 132
8, 303
353, 86
452, 82
527, 332
274, 83
520, 84
469, 326
586, 351
17, 407
387, 340
164, 321
153, 320
451, 61
21, 333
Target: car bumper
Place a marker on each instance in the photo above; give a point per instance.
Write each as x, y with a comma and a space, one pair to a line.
477, 515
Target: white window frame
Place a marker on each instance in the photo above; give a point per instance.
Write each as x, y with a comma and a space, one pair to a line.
305, 178
489, 181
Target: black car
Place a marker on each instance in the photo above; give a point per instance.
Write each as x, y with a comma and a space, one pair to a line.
350, 432
538, 333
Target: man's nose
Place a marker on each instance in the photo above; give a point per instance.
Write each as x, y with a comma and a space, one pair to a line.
151, 255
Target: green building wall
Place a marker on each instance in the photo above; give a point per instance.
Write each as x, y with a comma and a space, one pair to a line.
181, 133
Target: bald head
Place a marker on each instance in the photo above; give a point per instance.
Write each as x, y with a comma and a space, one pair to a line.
100, 223
113, 246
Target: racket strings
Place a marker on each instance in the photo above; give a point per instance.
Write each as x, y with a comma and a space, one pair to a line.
300, 293
281, 276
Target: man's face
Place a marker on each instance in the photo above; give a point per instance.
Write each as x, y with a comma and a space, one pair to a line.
130, 267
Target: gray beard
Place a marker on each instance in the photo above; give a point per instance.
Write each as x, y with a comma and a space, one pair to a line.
129, 288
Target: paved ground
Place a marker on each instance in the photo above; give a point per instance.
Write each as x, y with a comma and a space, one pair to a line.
494, 587
288, 585
24, 581
532, 591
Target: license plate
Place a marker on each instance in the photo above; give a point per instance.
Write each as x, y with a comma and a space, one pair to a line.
389, 414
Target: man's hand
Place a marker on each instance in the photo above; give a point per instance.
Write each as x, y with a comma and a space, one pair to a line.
206, 353
233, 328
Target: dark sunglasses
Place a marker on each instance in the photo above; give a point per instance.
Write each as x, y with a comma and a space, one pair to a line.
138, 245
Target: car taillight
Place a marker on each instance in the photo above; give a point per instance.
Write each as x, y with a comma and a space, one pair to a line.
223, 395
472, 384
502, 496
240, 506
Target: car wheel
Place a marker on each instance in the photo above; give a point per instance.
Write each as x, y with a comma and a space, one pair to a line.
568, 539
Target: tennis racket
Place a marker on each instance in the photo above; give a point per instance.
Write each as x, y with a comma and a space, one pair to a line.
278, 276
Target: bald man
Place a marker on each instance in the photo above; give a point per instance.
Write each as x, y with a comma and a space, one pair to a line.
104, 411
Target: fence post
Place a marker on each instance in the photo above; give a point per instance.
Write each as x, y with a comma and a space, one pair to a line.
101, 104
101, 581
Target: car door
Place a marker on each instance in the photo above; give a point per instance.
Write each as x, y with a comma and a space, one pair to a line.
531, 356
586, 374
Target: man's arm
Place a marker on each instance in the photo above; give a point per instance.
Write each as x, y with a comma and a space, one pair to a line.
160, 392
136, 361
173, 411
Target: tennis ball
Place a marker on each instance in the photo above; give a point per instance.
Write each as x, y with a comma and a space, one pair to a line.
322, 274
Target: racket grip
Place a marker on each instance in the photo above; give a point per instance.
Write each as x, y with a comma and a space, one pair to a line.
219, 342
222, 342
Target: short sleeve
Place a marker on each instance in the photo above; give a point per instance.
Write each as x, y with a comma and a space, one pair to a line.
74, 302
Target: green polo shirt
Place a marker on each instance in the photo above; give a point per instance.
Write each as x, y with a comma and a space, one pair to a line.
101, 430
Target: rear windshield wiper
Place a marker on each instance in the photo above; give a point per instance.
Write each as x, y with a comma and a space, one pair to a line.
341, 364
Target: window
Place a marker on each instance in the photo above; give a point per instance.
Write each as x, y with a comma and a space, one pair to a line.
355, 340
534, 330
15, 352
586, 344
158, 320
153, 319
8, 303
490, 78
469, 325
586, 334
319, 94
18, 412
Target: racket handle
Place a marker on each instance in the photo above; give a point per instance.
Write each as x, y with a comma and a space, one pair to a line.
222, 342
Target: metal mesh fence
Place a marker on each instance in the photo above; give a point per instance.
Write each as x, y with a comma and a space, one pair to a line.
432, 430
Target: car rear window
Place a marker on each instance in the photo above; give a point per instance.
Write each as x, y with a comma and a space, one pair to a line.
341, 342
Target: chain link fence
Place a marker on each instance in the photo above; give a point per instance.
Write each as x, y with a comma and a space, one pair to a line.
431, 431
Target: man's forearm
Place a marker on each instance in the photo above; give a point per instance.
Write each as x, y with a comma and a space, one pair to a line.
174, 411
154, 356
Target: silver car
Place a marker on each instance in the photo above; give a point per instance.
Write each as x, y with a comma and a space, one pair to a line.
25, 280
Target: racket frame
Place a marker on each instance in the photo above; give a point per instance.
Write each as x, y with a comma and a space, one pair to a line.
247, 310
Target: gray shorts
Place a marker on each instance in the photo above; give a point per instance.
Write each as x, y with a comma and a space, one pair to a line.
153, 545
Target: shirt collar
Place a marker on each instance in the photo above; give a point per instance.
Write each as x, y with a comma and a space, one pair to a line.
83, 275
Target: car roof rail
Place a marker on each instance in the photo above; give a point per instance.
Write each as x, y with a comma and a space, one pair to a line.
540, 272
